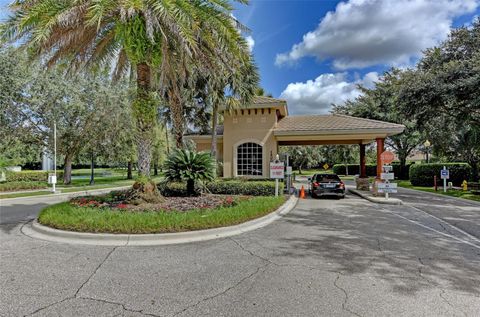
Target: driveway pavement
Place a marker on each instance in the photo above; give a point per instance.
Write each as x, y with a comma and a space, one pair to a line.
326, 258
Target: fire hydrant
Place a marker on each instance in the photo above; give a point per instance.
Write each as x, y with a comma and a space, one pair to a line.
465, 185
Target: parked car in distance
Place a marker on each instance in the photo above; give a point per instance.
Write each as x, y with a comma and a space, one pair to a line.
326, 185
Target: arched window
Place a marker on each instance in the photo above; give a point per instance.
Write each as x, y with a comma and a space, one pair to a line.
249, 159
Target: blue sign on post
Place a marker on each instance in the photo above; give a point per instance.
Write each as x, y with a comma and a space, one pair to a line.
445, 174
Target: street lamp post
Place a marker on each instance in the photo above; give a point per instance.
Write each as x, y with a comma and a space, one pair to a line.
54, 156
427, 145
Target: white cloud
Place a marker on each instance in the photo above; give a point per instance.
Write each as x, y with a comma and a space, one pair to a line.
250, 42
317, 96
361, 33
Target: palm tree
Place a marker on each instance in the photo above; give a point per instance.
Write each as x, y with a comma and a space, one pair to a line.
147, 36
189, 166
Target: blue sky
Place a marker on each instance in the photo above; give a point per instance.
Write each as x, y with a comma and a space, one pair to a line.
315, 53
342, 44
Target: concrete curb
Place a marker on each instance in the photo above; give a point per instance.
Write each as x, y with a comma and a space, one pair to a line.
38, 231
71, 194
378, 200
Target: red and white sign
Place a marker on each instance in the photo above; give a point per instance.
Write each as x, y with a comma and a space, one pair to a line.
387, 157
277, 170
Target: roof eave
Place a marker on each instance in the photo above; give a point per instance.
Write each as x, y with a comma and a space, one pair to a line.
387, 131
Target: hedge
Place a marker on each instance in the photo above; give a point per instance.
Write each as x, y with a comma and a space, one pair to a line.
423, 174
31, 176
354, 169
9, 186
254, 188
224, 187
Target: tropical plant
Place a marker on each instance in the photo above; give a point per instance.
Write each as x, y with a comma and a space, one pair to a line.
189, 166
232, 90
145, 36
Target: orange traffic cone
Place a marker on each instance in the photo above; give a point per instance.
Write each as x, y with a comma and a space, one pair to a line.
302, 193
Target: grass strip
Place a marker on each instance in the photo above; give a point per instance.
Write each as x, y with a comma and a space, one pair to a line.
29, 194
64, 216
450, 192
78, 188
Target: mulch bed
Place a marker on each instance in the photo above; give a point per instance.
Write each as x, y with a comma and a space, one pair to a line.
177, 204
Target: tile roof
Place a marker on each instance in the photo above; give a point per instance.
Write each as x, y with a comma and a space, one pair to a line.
261, 102
311, 123
266, 100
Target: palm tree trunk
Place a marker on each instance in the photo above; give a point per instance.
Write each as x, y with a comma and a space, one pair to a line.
214, 131
67, 170
166, 139
144, 112
190, 187
92, 169
129, 170
176, 109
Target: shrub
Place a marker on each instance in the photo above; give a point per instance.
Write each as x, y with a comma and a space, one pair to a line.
223, 187
27, 176
31, 176
190, 166
398, 173
235, 187
9, 186
422, 174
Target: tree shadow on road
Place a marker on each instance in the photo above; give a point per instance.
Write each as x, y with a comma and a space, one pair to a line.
365, 239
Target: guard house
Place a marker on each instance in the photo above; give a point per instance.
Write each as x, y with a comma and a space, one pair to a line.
250, 136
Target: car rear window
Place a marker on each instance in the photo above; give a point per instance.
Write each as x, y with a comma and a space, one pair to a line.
322, 178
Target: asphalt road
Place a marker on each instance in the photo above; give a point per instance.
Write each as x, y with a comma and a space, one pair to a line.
326, 258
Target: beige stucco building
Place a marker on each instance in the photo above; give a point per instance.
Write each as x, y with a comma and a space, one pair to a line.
250, 136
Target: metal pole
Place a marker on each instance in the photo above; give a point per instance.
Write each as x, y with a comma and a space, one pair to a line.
444, 181
54, 153
387, 181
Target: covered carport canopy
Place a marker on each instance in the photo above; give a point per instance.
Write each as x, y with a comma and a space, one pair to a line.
336, 129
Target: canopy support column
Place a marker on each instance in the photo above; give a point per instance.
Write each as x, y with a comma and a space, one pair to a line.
380, 149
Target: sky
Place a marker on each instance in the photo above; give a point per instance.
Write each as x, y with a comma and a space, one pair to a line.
314, 53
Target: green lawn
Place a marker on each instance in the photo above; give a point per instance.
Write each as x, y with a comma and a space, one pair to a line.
98, 181
79, 185
452, 192
310, 172
85, 219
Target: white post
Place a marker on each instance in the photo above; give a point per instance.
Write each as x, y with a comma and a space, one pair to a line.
54, 154
386, 189
288, 176
276, 187
444, 181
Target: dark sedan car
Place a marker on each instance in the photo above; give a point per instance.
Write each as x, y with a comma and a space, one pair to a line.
326, 185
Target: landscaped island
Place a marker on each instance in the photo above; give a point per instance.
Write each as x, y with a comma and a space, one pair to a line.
110, 213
